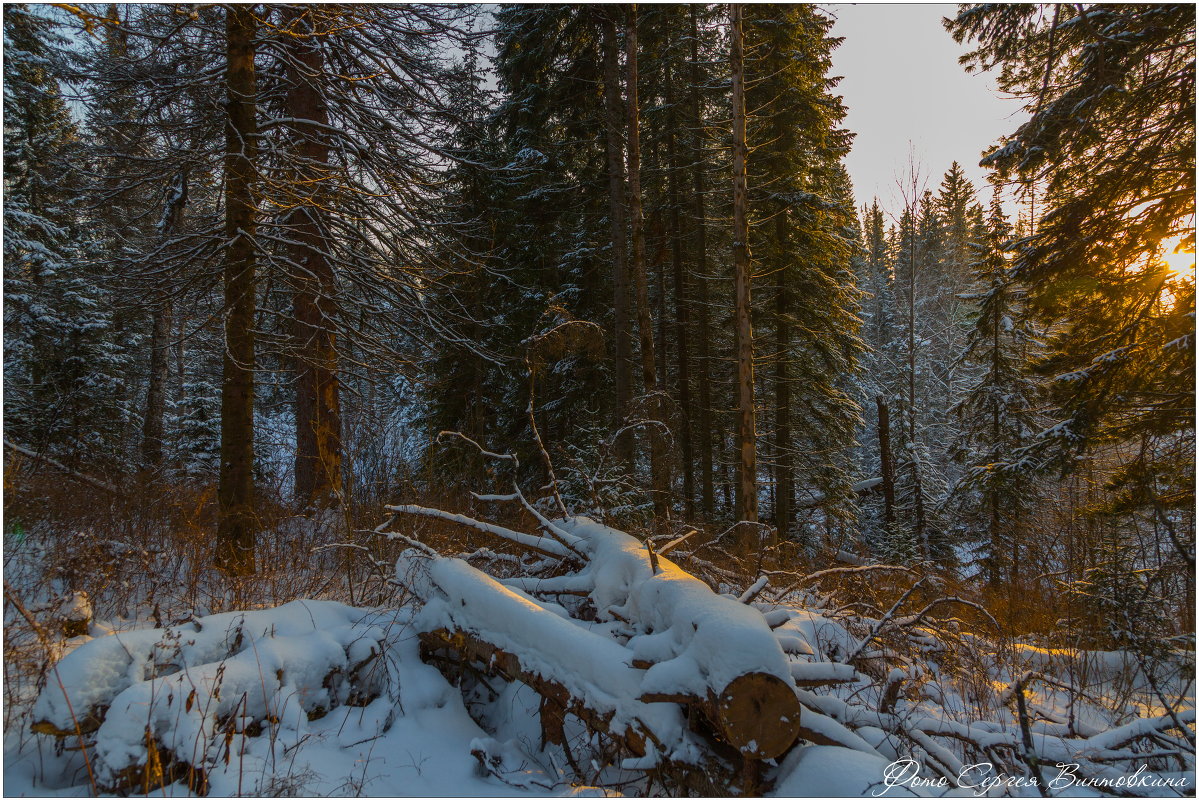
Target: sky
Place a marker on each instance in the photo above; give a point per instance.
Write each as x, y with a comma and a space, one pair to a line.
906, 93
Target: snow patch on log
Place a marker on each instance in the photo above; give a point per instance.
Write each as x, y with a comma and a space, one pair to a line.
700, 641
99, 670
592, 668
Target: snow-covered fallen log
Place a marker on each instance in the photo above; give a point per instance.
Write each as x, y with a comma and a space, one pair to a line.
697, 644
604, 617
160, 705
683, 643
473, 615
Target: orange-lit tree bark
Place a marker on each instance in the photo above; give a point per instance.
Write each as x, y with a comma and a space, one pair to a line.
747, 488
658, 465
318, 403
237, 522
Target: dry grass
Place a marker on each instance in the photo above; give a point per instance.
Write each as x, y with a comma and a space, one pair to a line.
145, 557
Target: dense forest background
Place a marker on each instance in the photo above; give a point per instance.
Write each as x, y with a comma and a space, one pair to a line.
257, 257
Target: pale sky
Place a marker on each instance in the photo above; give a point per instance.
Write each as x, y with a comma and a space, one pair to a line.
906, 92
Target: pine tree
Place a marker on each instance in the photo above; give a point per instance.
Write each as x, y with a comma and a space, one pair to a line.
959, 228
909, 539
876, 382
804, 237
539, 217
153, 189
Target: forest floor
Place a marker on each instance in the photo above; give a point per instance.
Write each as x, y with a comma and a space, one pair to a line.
419, 743
417, 739
939, 691
424, 750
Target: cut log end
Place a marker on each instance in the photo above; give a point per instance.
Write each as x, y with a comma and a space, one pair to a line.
759, 715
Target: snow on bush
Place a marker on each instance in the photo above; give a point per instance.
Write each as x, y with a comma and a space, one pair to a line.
188, 695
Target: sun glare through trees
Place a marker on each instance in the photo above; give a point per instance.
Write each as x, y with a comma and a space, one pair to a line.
433, 400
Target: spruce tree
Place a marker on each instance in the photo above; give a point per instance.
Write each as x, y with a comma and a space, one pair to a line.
804, 237
1112, 99
997, 494
62, 367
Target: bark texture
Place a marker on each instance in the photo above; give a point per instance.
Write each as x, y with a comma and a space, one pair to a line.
318, 389
747, 463
237, 523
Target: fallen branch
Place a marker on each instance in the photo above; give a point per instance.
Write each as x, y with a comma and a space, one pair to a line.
86, 479
542, 545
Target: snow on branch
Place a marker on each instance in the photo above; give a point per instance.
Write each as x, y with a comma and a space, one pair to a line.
541, 545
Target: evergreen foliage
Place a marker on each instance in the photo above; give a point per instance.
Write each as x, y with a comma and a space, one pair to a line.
62, 367
1118, 191
559, 225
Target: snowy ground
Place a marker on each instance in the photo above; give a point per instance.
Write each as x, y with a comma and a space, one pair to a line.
415, 739
417, 746
317, 698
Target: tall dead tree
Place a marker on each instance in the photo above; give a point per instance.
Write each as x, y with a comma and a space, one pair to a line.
659, 467
237, 522
747, 488
318, 402
614, 124
703, 315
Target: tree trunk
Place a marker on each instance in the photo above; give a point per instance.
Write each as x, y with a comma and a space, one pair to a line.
156, 391
703, 315
747, 490
661, 343
616, 219
160, 338
237, 523
886, 466
318, 402
917, 491
682, 312
659, 469
784, 459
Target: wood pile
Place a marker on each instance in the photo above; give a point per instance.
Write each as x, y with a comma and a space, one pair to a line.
612, 632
